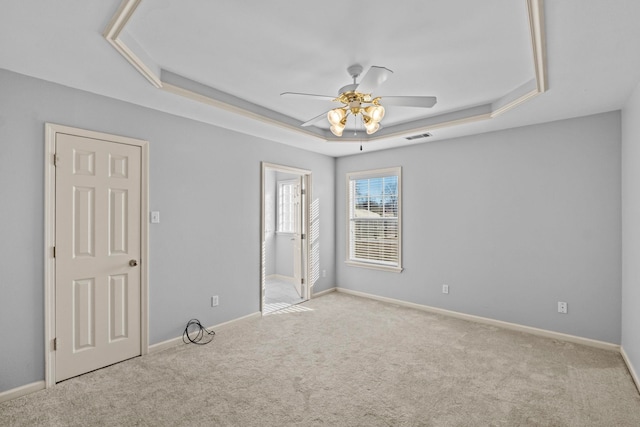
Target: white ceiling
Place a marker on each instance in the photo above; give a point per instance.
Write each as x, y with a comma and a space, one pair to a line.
465, 52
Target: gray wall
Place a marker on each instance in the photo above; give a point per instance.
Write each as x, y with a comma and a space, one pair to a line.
631, 229
513, 221
204, 180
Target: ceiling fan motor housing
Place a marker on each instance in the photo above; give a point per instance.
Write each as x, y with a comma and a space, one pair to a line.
354, 71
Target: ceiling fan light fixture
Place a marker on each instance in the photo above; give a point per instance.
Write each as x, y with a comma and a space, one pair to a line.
371, 126
337, 130
356, 99
376, 112
374, 129
336, 115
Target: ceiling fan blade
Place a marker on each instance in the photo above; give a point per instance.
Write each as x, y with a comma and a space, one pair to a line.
315, 119
374, 78
409, 101
307, 96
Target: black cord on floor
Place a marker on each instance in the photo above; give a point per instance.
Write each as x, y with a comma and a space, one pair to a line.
186, 337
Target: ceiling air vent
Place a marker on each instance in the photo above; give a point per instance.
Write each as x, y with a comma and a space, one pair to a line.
422, 135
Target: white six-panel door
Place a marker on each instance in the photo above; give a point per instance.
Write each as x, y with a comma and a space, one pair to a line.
98, 251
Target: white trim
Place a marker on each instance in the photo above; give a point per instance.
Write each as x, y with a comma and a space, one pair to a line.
112, 35
373, 266
154, 348
49, 238
17, 392
535, 11
49, 260
307, 179
214, 102
632, 371
325, 292
524, 98
535, 15
373, 173
485, 320
420, 129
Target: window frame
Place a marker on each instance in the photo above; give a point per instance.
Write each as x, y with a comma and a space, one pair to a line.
368, 174
279, 213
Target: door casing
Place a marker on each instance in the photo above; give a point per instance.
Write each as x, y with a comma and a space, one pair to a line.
305, 176
49, 239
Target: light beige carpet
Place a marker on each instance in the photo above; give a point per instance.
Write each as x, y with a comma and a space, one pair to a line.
340, 360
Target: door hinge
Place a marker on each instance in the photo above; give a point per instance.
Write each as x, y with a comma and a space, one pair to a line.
55, 344
55, 160
303, 236
54, 251
303, 192
302, 281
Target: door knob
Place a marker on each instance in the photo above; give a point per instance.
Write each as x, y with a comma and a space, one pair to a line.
133, 263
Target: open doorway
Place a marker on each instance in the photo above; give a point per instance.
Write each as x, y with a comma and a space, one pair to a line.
284, 247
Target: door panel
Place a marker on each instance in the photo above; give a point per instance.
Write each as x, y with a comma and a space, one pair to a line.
84, 302
297, 236
97, 233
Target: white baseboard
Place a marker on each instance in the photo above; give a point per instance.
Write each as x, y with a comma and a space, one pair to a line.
40, 385
632, 371
14, 393
281, 277
326, 291
507, 325
178, 340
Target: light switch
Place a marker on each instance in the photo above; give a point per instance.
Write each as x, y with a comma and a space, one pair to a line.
155, 217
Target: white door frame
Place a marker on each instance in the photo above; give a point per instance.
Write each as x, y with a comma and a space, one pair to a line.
306, 268
50, 233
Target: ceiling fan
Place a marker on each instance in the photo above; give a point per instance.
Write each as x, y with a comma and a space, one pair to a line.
357, 99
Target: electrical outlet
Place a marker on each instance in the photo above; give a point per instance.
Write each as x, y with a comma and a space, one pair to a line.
445, 289
214, 301
562, 307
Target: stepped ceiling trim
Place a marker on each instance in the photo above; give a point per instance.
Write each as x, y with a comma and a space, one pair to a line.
115, 33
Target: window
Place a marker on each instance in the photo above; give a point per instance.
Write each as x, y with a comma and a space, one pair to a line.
286, 208
373, 209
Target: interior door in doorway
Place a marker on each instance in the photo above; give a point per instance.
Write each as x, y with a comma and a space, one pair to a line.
297, 237
98, 248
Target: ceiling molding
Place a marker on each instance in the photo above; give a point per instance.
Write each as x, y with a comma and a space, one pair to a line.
453, 118
117, 36
196, 96
196, 91
535, 10
113, 33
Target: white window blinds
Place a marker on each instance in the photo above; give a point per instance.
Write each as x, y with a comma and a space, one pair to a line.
374, 218
286, 211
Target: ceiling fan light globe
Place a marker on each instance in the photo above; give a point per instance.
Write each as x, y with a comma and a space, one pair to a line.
371, 127
373, 130
335, 116
337, 130
376, 112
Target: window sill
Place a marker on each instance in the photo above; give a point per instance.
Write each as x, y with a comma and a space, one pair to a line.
374, 266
